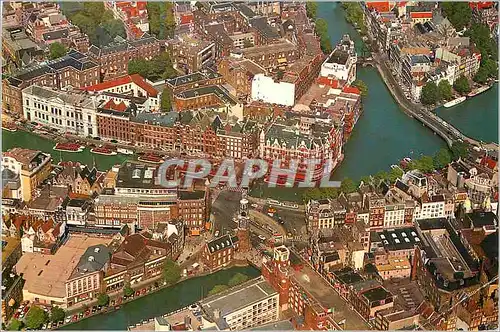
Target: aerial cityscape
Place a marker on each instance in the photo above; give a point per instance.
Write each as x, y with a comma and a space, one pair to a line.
250, 165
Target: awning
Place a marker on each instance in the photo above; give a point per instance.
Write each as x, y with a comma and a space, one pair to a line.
282, 60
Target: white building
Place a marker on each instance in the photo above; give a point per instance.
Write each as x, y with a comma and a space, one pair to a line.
77, 212
341, 64
248, 305
68, 111
267, 90
431, 208
394, 215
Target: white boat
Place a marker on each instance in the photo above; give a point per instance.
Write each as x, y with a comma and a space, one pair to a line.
124, 151
455, 102
479, 91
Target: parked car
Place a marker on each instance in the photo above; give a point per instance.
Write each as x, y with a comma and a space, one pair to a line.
68, 319
217, 233
262, 237
74, 318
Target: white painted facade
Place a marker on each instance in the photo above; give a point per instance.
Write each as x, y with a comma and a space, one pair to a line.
67, 111
341, 64
267, 90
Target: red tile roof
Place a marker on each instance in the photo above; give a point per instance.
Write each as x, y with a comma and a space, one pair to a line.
480, 4
127, 79
331, 82
421, 15
187, 18
111, 105
351, 89
380, 6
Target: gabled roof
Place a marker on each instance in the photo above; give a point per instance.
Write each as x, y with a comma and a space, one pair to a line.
127, 79
220, 243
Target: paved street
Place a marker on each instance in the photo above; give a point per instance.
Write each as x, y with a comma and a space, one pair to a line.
225, 207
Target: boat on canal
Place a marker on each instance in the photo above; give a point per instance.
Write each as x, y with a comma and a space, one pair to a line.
478, 91
404, 162
124, 151
106, 151
151, 158
69, 147
455, 102
9, 126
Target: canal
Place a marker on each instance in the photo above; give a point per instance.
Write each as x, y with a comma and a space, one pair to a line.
162, 302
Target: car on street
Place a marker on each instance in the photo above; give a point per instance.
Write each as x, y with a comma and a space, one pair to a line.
74, 318
68, 319
217, 233
262, 237
255, 206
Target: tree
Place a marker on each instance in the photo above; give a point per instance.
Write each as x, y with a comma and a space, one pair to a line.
479, 34
321, 28
279, 74
461, 85
171, 272
15, 325
311, 9
237, 279
127, 290
424, 164
481, 76
166, 100
95, 10
347, 186
35, 318
247, 43
394, 174
354, 14
459, 150
139, 66
458, 13
442, 158
445, 92
57, 50
361, 85
218, 289
103, 299
57, 314
430, 94
114, 28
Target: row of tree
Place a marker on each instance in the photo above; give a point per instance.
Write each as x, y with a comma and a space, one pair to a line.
432, 93
321, 28
161, 19
97, 23
36, 318
354, 15
425, 164
237, 279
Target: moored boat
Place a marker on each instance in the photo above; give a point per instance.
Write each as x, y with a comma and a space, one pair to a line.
9, 126
404, 162
477, 91
124, 151
455, 102
69, 147
104, 151
151, 158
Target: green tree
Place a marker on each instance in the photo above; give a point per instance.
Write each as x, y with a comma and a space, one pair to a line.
237, 279
35, 318
218, 289
57, 314
311, 194
127, 290
361, 85
458, 13
114, 28
279, 74
461, 85
430, 94
102, 299
459, 150
311, 9
445, 92
15, 325
354, 14
442, 158
394, 174
366, 179
480, 35
169, 19
481, 76
329, 192
321, 28
57, 50
94, 10
166, 100
139, 66
348, 186
424, 164
171, 272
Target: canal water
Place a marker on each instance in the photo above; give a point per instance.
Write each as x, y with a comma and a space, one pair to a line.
476, 117
162, 302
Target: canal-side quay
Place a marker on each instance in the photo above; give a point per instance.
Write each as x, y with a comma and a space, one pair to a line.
161, 302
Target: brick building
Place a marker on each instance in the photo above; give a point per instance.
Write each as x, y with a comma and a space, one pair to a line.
113, 59
239, 72
218, 252
274, 56
74, 69
205, 77
190, 54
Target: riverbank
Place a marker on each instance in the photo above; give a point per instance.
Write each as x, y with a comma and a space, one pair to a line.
161, 302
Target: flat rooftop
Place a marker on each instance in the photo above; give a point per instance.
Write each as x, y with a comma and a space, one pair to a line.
47, 274
328, 298
238, 297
